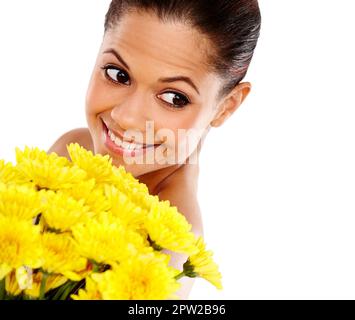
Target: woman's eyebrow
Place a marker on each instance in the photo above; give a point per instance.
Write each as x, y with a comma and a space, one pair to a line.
167, 80
119, 58
180, 78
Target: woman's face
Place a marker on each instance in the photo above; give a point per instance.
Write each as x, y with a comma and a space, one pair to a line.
132, 93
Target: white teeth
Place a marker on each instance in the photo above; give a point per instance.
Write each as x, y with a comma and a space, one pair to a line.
132, 146
117, 141
112, 137
124, 144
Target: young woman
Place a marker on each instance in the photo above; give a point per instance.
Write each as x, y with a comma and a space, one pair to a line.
166, 69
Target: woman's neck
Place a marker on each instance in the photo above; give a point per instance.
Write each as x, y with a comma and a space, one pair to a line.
154, 180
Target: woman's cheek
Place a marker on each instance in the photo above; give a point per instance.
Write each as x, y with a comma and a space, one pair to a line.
98, 96
185, 143
94, 100
182, 135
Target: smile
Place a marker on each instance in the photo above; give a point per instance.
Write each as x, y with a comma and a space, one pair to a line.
124, 144
118, 146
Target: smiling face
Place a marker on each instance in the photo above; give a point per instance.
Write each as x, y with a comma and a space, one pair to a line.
133, 93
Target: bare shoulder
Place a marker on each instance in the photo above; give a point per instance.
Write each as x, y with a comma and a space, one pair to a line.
80, 135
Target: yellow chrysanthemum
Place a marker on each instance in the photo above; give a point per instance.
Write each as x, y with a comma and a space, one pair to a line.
48, 171
202, 265
169, 229
108, 217
97, 201
61, 256
6, 171
82, 189
36, 154
91, 291
10, 174
125, 179
18, 280
104, 172
19, 245
122, 207
136, 191
144, 277
62, 212
105, 239
19, 201
11, 285
96, 166
53, 281
92, 194
148, 200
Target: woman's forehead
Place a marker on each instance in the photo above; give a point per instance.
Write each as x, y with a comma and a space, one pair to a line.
168, 45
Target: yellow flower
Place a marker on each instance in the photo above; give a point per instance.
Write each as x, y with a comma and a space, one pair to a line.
97, 201
94, 217
82, 189
61, 256
53, 281
169, 229
91, 291
136, 191
6, 171
36, 154
148, 200
9, 174
18, 280
62, 212
92, 194
125, 180
96, 166
202, 265
143, 277
48, 171
104, 172
11, 284
105, 239
19, 245
19, 201
122, 207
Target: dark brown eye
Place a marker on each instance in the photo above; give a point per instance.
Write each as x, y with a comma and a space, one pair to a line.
116, 75
176, 100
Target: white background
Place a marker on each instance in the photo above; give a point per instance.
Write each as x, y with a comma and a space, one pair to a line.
277, 181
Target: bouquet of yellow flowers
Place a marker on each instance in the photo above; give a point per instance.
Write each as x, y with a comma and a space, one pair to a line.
85, 229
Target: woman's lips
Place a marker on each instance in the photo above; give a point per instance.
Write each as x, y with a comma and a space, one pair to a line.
120, 150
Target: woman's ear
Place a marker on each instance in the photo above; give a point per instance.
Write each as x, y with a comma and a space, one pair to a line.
231, 103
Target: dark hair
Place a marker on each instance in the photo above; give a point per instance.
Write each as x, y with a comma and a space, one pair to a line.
233, 26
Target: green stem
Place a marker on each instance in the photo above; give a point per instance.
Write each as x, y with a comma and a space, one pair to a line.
65, 290
189, 269
180, 275
95, 266
68, 291
2, 289
60, 291
42, 290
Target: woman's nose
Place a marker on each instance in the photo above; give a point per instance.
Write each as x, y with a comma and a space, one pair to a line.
132, 113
